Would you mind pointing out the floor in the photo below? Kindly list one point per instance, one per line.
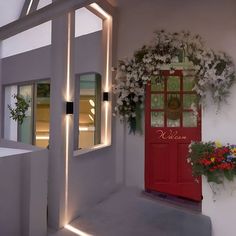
(131, 213)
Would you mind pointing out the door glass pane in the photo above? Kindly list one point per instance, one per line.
(89, 110)
(26, 128)
(188, 100)
(173, 110)
(157, 119)
(173, 83)
(188, 83)
(189, 119)
(157, 101)
(173, 123)
(42, 114)
(156, 85)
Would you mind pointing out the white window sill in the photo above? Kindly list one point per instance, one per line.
(88, 150)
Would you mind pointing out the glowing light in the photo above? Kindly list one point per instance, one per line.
(91, 102)
(106, 122)
(42, 137)
(93, 111)
(86, 128)
(68, 58)
(108, 55)
(66, 167)
(91, 118)
(67, 116)
(29, 7)
(83, 129)
(76, 231)
(100, 10)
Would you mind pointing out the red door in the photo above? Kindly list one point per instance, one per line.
(170, 126)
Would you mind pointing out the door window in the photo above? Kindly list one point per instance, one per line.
(172, 102)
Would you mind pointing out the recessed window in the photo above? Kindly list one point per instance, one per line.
(34, 129)
(88, 110)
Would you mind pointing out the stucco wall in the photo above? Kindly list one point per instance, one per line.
(23, 185)
(36, 64)
(215, 21)
(91, 176)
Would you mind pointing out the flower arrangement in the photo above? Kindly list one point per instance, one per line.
(210, 70)
(213, 160)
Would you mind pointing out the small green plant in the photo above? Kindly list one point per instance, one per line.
(18, 113)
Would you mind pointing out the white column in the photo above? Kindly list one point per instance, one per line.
(61, 125)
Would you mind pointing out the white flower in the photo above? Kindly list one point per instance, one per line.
(208, 69)
(123, 68)
(119, 102)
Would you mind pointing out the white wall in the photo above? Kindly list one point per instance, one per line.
(23, 186)
(215, 21)
(220, 207)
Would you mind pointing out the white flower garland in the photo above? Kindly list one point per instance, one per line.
(212, 71)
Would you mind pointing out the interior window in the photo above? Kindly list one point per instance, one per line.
(34, 129)
(42, 113)
(88, 110)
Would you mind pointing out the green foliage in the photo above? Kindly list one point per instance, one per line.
(21, 106)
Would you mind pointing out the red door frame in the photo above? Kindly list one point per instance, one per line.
(150, 136)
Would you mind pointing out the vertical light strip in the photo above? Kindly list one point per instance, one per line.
(29, 7)
(68, 74)
(107, 104)
(108, 54)
(108, 20)
(68, 59)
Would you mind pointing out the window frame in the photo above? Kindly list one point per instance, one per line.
(32, 83)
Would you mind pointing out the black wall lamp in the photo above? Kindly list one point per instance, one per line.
(69, 108)
(105, 96)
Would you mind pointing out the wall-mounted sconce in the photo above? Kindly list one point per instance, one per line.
(105, 96)
(69, 108)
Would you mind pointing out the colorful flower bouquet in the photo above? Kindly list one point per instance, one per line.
(213, 160)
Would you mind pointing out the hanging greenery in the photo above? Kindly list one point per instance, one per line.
(18, 113)
(212, 71)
